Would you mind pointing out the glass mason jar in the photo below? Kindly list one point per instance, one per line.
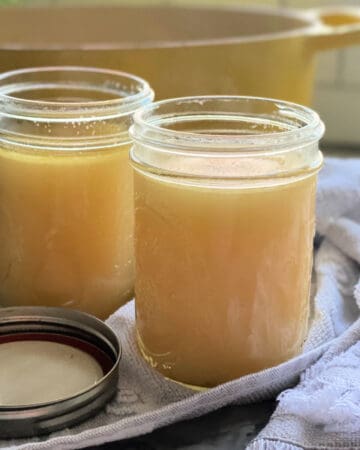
(224, 223)
(66, 214)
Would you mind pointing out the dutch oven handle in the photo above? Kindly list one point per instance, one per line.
(335, 27)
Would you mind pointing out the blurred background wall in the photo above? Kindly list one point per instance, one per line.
(337, 93)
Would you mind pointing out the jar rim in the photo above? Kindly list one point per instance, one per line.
(125, 103)
(148, 129)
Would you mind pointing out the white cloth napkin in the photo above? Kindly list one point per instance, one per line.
(323, 411)
(146, 401)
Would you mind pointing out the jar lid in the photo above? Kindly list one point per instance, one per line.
(58, 368)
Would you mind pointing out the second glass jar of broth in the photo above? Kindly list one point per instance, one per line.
(66, 214)
(224, 225)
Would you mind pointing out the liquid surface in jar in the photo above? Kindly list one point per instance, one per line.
(66, 227)
(39, 371)
(223, 276)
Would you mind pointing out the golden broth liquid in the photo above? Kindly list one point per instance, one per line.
(223, 276)
(66, 226)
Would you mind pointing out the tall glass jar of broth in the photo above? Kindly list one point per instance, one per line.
(66, 214)
(224, 226)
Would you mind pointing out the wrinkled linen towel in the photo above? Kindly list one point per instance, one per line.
(323, 411)
(146, 401)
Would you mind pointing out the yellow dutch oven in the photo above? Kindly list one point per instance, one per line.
(183, 51)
